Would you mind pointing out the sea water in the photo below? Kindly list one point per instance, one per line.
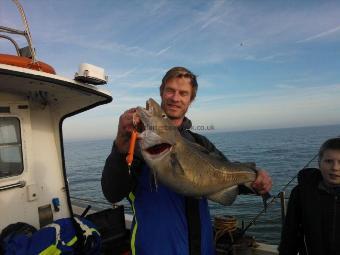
(282, 152)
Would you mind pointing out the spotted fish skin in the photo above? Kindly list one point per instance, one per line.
(186, 167)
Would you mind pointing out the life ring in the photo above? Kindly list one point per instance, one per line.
(26, 63)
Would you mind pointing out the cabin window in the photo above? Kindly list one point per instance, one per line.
(10, 147)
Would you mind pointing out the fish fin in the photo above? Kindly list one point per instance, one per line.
(251, 165)
(225, 196)
(197, 147)
(246, 188)
(216, 160)
(176, 165)
(201, 149)
(153, 181)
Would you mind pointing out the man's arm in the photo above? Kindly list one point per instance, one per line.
(116, 181)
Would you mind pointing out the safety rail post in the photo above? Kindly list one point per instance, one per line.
(283, 206)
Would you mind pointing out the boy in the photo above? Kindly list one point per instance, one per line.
(312, 224)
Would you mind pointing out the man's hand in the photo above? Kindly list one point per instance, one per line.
(125, 127)
(263, 182)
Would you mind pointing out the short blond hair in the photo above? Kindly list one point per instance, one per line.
(330, 144)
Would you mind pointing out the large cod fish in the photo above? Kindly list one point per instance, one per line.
(186, 167)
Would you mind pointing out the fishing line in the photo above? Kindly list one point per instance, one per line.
(252, 222)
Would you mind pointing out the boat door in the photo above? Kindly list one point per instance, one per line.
(32, 185)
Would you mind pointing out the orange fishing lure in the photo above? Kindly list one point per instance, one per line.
(133, 139)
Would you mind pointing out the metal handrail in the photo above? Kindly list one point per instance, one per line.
(26, 33)
(19, 184)
(10, 30)
(12, 41)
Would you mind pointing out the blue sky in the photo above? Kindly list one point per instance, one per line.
(261, 64)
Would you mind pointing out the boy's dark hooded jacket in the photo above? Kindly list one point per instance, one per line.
(312, 224)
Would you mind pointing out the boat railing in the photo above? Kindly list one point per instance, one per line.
(283, 203)
(27, 51)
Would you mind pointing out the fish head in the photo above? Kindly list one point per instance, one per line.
(158, 135)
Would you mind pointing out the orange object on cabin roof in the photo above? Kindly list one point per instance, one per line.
(26, 63)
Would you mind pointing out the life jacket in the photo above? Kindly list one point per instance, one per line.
(64, 236)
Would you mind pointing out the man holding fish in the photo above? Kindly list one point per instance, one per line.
(174, 174)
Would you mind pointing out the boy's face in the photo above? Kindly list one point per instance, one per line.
(330, 167)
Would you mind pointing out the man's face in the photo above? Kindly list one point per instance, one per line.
(176, 98)
(330, 167)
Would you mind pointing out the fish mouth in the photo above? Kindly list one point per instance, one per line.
(153, 146)
(158, 149)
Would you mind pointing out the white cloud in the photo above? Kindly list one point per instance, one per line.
(162, 51)
(321, 35)
(285, 86)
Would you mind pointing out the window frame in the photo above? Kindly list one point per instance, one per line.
(20, 143)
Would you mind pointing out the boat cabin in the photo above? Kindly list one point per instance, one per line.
(34, 101)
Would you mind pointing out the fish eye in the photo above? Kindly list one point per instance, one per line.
(164, 116)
